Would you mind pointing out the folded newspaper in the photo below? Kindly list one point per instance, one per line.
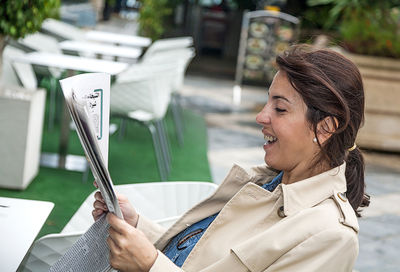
(87, 97)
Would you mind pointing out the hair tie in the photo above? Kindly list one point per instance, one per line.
(352, 148)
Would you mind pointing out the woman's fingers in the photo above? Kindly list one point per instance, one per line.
(100, 205)
(96, 214)
(95, 184)
(116, 223)
(99, 197)
(130, 250)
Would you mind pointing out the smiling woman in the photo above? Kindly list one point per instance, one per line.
(283, 117)
(298, 212)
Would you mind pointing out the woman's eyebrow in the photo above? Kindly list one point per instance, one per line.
(276, 97)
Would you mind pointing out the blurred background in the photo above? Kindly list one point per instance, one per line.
(225, 52)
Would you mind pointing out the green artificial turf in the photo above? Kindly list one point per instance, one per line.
(131, 160)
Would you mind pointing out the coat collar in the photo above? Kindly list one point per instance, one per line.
(311, 191)
(296, 196)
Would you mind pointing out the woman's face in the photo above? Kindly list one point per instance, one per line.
(289, 138)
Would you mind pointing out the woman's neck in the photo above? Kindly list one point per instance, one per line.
(298, 174)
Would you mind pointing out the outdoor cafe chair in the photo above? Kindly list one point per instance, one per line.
(183, 57)
(18, 74)
(162, 202)
(142, 93)
(44, 43)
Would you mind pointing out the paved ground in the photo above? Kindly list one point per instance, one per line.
(234, 137)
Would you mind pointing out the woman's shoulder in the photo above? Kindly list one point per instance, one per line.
(334, 214)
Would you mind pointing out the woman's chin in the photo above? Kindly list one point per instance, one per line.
(270, 162)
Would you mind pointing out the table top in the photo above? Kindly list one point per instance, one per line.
(72, 62)
(103, 49)
(131, 40)
(21, 221)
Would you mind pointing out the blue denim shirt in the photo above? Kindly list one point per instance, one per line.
(182, 244)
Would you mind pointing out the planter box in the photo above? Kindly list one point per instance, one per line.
(21, 124)
(381, 78)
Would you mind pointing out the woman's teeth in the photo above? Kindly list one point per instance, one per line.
(270, 139)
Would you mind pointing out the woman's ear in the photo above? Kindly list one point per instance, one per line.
(326, 128)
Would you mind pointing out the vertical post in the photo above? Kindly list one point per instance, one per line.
(237, 89)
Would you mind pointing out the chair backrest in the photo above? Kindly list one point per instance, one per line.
(20, 74)
(182, 56)
(167, 45)
(43, 43)
(145, 87)
(47, 250)
(162, 202)
(61, 30)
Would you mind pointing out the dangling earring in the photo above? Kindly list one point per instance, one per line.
(314, 140)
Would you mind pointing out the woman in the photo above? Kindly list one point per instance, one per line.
(299, 213)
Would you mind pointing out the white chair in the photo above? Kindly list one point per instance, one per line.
(44, 43)
(183, 57)
(167, 45)
(47, 250)
(19, 74)
(162, 202)
(62, 30)
(142, 93)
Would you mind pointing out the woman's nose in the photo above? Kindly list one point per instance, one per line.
(263, 117)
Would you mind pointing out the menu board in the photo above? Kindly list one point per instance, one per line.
(265, 34)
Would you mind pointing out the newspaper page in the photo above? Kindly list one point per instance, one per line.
(93, 89)
(89, 253)
(87, 98)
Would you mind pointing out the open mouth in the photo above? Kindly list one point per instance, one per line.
(270, 139)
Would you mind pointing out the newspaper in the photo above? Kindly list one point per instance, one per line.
(90, 252)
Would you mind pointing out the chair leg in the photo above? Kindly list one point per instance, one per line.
(52, 104)
(167, 141)
(122, 129)
(177, 119)
(178, 98)
(164, 143)
(157, 149)
(85, 174)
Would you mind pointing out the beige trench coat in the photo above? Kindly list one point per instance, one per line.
(305, 226)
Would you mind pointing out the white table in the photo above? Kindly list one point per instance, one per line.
(72, 64)
(101, 49)
(20, 223)
(120, 39)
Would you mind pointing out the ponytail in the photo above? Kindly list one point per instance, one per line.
(355, 180)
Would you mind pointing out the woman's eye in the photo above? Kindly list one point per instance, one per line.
(280, 110)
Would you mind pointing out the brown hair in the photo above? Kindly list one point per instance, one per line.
(331, 86)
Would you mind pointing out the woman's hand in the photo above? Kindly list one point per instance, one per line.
(130, 250)
(100, 207)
